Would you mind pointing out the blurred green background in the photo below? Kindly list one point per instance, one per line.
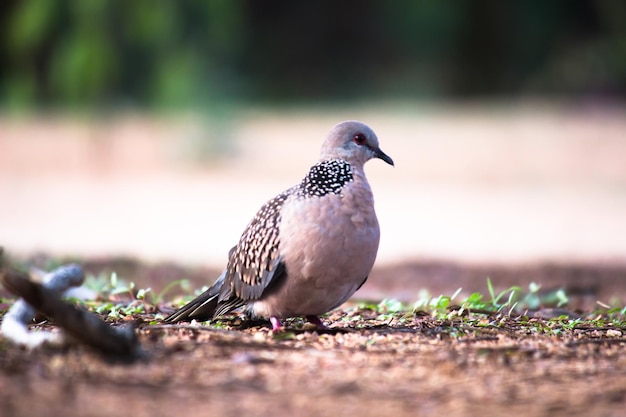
(100, 54)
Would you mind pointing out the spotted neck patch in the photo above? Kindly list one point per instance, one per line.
(326, 177)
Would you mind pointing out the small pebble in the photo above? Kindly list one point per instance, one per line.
(613, 333)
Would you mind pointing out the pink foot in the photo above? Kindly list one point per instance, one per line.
(316, 321)
(276, 324)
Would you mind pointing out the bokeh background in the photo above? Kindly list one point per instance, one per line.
(157, 129)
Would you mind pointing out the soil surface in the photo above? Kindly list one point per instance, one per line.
(365, 364)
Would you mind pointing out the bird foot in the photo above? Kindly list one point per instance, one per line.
(316, 321)
(276, 324)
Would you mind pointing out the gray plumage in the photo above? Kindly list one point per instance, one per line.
(308, 249)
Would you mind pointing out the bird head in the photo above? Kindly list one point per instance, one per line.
(354, 142)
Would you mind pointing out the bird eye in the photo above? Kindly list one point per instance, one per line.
(359, 139)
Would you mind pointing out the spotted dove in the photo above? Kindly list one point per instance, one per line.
(308, 249)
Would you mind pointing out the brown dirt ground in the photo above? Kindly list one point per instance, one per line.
(367, 367)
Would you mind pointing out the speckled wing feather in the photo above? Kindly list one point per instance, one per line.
(255, 262)
(252, 266)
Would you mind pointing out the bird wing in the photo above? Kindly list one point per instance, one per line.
(255, 262)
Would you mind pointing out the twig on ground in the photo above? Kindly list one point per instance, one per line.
(81, 325)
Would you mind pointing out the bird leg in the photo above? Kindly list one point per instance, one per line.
(276, 324)
(316, 321)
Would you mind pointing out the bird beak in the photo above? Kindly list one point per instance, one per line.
(381, 155)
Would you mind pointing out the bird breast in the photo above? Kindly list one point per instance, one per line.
(328, 245)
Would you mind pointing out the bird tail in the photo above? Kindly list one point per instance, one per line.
(202, 307)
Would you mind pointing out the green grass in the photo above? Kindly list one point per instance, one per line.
(514, 306)
(119, 299)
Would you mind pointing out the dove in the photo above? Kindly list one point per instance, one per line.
(310, 248)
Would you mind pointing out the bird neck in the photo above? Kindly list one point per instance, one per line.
(326, 177)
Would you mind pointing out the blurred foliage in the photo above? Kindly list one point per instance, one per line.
(167, 54)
